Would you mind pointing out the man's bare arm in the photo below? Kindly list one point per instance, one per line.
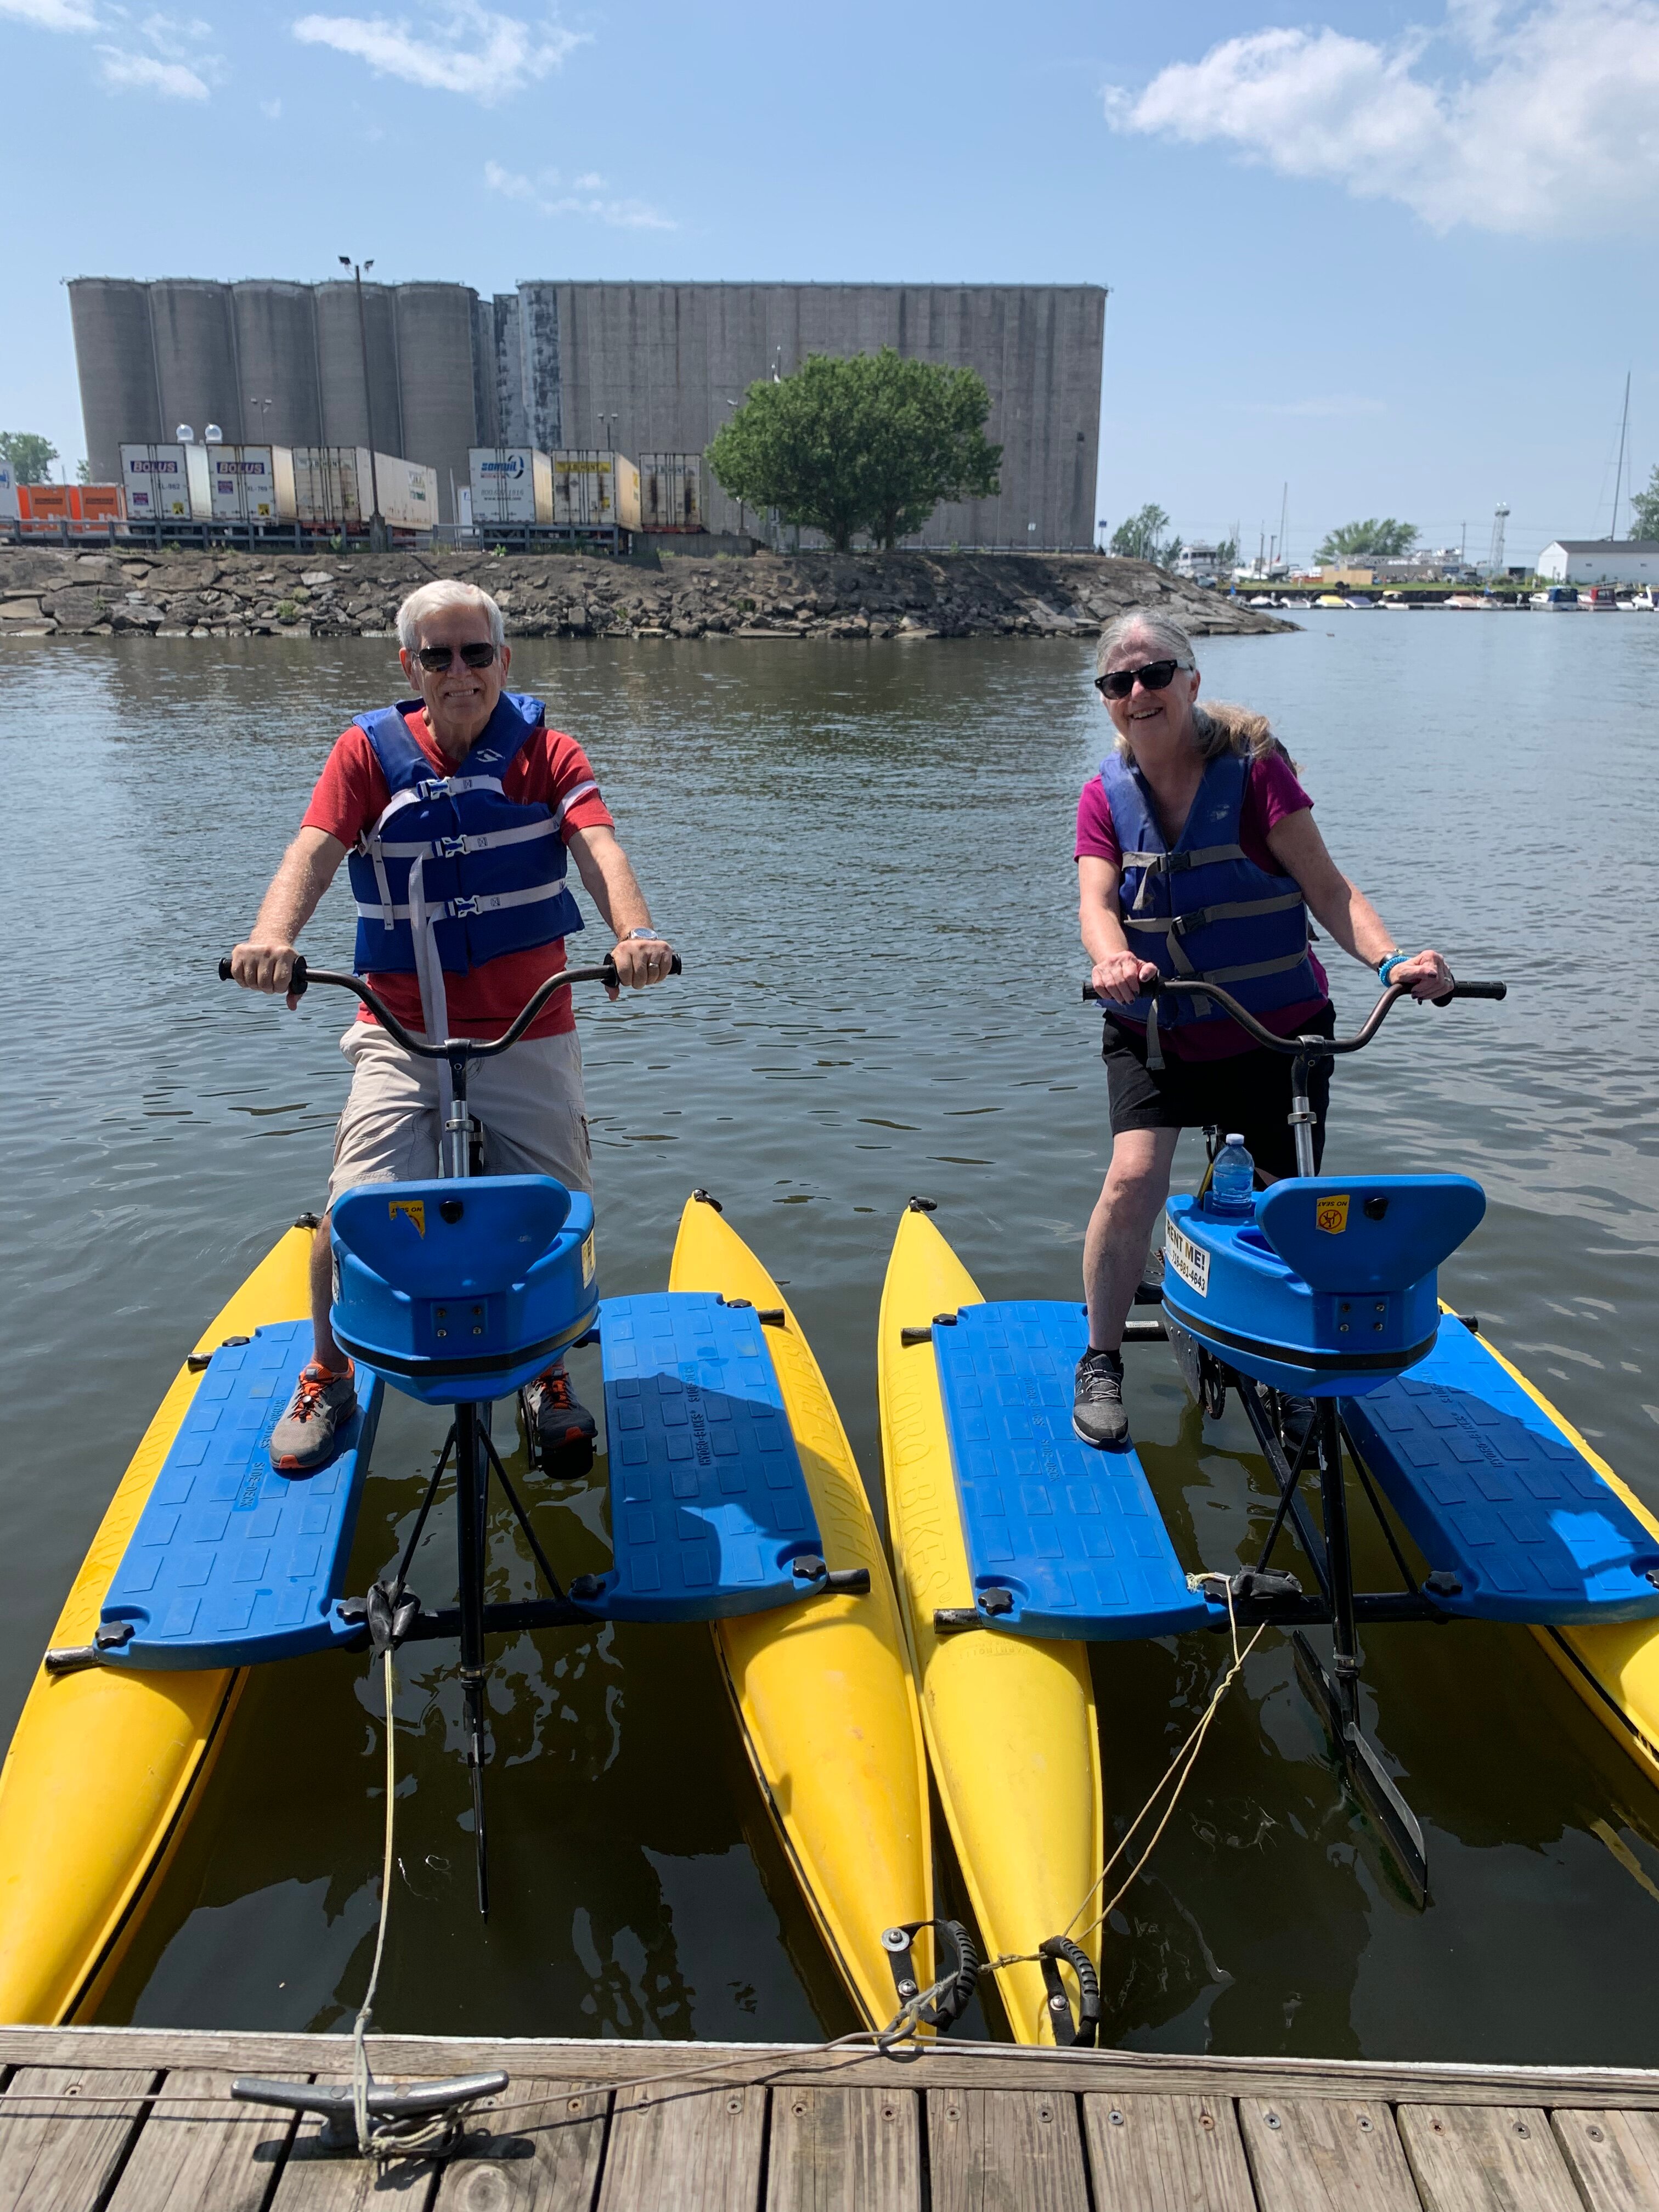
(264, 962)
(614, 888)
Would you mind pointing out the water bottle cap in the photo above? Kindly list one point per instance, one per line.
(1234, 1140)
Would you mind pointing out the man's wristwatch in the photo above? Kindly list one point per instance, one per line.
(656, 935)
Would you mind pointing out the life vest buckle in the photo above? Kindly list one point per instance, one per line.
(460, 910)
(430, 787)
(448, 849)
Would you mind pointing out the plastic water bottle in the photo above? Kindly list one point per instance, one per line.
(1232, 1181)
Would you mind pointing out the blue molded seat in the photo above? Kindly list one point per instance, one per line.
(1074, 1534)
(462, 1290)
(709, 1507)
(1495, 1496)
(230, 1562)
(1330, 1289)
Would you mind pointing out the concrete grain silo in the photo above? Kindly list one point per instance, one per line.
(276, 348)
(340, 367)
(437, 381)
(196, 356)
(118, 399)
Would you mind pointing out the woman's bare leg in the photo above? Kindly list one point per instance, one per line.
(1120, 1227)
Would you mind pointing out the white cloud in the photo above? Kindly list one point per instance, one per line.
(124, 72)
(51, 14)
(462, 47)
(1544, 121)
(584, 197)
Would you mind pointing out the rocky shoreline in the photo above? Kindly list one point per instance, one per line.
(58, 592)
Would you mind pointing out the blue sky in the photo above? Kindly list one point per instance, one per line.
(1400, 258)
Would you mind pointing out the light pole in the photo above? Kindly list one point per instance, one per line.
(376, 525)
(1101, 526)
(602, 418)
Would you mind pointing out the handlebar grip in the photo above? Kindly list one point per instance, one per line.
(675, 968)
(1473, 991)
(296, 981)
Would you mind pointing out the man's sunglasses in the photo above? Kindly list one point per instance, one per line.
(1156, 676)
(434, 659)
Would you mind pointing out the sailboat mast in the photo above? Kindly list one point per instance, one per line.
(1624, 426)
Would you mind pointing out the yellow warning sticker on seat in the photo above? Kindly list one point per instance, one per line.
(415, 1210)
(1331, 1214)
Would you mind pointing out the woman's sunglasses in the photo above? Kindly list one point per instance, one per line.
(1156, 676)
(434, 659)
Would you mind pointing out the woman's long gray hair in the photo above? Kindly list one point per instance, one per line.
(1220, 727)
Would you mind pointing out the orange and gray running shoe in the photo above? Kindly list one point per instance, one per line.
(308, 1434)
(559, 1431)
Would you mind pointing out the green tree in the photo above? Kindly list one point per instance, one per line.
(30, 454)
(874, 442)
(1141, 538)
(83, 471)
(1644, 510)
(1384, 540)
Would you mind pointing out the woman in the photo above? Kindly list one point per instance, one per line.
(1197, 854)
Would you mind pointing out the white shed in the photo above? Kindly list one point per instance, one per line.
(1601, 561)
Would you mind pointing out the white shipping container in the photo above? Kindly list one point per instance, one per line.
(156, 483)
(333, 487)
(510, 483)
(251, 483)
(8, 492)
(595, 491)
(671, 491)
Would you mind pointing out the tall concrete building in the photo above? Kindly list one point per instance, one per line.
(644, 368)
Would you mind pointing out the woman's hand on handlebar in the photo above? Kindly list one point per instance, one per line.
(265, 967)
(1425, 976)
(1120, 977)
(639, 960)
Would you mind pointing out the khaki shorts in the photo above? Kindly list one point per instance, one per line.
(529, 1101)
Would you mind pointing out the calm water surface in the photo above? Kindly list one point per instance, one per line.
(865, 853)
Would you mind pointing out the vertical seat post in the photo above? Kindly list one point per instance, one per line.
(456, 1149)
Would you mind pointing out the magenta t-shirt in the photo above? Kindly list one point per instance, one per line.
(1271, 792)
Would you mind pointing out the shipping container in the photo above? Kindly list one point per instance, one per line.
(81, 506)
(46, 503)
(671, 491)
(102, 503)
(595, 491)
(334, 487)
(252, 483)
(8, 508)
(157, 482)
(510, 483)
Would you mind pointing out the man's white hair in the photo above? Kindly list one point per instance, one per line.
(447, 592)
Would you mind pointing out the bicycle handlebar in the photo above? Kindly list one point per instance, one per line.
(476, 1048)
(1315, 1047)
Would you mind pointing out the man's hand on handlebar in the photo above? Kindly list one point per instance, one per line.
(264, 968)
(639, 960)
(1120, 977)
(1425, 976)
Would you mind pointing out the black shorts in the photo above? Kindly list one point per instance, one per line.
(1249, 1094)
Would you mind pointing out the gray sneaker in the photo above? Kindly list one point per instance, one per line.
(1098, 1414)
(308, 1434)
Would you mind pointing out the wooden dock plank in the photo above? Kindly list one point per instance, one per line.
(679, 2149)
(58, 2155)
(220, 2153)
(314, 2179)
(542, 2154)
(991, 2149)
(941, 2065)
(1614, 2157)
(1326, 2154)
(1166, 2155)
(844, 2150)
(1499, 2158)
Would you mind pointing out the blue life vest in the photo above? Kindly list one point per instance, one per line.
(1203, 910)
(453, 866)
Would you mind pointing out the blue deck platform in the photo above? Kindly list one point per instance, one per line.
(1493, 1494)
(1074, 1534)
(709, 1505)
(230, 1562)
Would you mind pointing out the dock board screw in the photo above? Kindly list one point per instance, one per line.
(1594, 2133)
(1522, 2129)
(1116, 2118)
(1364, 2125)
(1206, 2119)
(1273, 2119)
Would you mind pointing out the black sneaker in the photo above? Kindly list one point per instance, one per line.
(558, 1428)
(1098, 1414)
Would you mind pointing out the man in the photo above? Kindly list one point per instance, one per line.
(457, 809)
